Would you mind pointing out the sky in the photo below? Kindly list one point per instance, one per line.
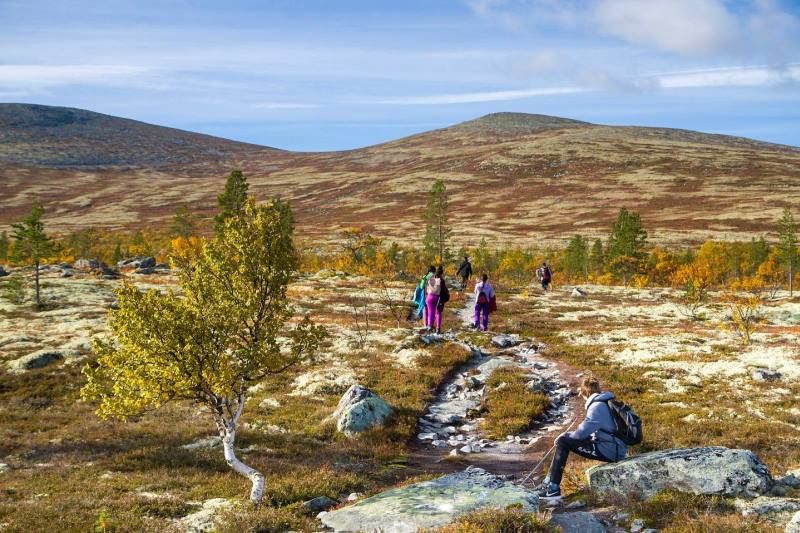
(339, 74)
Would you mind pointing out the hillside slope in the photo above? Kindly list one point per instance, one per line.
(66, 137)
(511, 177)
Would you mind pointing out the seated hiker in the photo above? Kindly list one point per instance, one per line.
(596, 438)
(484, 293)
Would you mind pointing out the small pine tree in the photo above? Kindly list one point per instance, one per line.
(759, 252)
(596, 258)
(232, 200)
(626, 244)
(437, 229)
(4, 246)
(787, 244)
(183, 223)
(32, 243)
(576, 258)
(116, 257)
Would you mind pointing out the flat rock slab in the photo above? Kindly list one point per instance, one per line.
(578, 522)
(430, 504)
(794, 524)
(33, 360)
(708, 470)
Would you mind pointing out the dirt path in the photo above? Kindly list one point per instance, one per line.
(449, 436)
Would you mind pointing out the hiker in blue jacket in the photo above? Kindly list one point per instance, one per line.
(419, 295)
(594, 438)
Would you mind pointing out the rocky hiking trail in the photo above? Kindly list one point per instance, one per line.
(479, 471)
(449, 433)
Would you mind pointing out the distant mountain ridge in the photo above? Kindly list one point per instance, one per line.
(33, 134)
(512, 178)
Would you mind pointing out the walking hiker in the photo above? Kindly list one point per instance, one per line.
(419, 295)
(434, 288)
(484, 294)
(465, 272)
(544, 275)
(598, 437)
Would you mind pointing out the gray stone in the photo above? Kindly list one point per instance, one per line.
(578, 293)
(3, 272)
(794, 524)
(709, 470)
(137, 262)
(430, 504)
(319, 504)
(791, 479)
(354, 496)
(764, 374)
(767, 506)
(637, 526)
(427, 436)
(578, 522)
(203, 520)
(145, 270)
(88, 264)
(505, 341)
(33, 360)
(359, 410)
(206, 443)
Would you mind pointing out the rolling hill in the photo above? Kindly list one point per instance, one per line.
(511, 177)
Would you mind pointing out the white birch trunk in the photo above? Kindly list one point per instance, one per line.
(228, 433)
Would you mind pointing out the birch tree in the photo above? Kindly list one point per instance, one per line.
(209, 343)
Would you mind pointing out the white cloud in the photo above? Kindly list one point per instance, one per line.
(743, 76)
(37, 77)
(688, 27)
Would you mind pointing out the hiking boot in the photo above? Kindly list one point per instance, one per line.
(549, 492)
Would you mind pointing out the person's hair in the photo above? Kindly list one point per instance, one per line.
(590, 385)
(439, 272)
(484, 277)
(544, 263)
(431, 268)
(466, 257)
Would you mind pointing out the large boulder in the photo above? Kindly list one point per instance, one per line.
(137, 262)
(88, 264)
(359, 410)
(37, 359)
(430, 504)
(709, 470)
(3, 272)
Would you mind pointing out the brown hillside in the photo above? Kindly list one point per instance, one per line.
(512, 177)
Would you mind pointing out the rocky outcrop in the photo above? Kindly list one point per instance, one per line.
(430, 504)
(88, 265)
(319, 504)
(578, 522)
(359, 410)
(766, 506)
(137, 262)
(505, 341)
(203, 520)
(33, 360)
(709, 470)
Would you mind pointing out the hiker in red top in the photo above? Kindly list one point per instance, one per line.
(484, 294)
(544, 275)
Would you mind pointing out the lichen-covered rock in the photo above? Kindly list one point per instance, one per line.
(794, 524)
(708, 470)
(764, 505)
(203, 520)
(578, 522)
(359, 410)
(430, 504)
(505, 341)
(33, 360)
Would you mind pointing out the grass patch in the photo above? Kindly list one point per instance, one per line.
(510, 405)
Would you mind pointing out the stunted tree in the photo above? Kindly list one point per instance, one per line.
(31, 243)
(4, 246)
(596, 257)
(183, 223)
(209, 343)
(356, 242)
(576, 257)
(232, 200)
(437, 229)
(787, 244)
(625, 251)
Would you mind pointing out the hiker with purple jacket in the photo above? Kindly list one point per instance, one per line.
(484, 293)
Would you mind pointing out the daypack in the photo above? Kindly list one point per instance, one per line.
(444, 294)
(627, 422)
(546, 274)
(482, 298)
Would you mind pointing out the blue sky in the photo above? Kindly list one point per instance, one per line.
(336, 74)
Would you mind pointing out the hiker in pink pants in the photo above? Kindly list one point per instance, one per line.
(433, 290)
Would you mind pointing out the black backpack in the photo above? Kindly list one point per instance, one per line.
(444, 294)
(628, 423)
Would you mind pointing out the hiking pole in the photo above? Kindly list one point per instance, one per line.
(553, 447)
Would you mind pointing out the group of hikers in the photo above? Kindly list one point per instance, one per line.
(609, 425)
(431, 295)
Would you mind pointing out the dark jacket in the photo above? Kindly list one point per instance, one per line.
(465, 269)
(599, 426)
